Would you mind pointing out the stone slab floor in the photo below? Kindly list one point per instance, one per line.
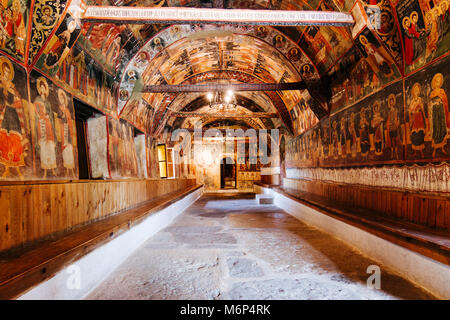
(227, 246)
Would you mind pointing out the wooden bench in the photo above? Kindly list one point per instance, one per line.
(21, 270)
(432, 243)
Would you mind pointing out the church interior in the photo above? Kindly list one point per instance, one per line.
(224, 149)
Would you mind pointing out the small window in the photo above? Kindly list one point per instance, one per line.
(162, 161)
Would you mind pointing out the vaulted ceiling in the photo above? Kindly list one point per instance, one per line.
(132, 56)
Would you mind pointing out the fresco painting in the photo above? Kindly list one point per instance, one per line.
(122, 150)
(46, 14)
(388, 31)
(16, 154)
(371, 131)
(59, 46)
(13, 27)
(53, 129)
(428, 129)
(98, 146)
(152, 158)
(83, 77)
(268, 64)
(424, 26)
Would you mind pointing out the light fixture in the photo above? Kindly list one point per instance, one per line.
(222, 102)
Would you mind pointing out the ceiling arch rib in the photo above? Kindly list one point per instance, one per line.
(249, 106)
(279, 104)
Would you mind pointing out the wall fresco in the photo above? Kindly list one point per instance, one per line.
(428, 118)
(371, 131)
(46, 14)
(14, 27)
(424, 26)
(53, 130)
(122, 150)
(16, 154)
(98, 141)
(82, 76)
(59, 46)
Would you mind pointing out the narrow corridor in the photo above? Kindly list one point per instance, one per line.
(227, 246)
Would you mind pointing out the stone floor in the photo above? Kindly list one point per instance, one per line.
(227, 246)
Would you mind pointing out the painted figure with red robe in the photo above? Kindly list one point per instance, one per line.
(417, 120)
(410, 35)
(13, 141)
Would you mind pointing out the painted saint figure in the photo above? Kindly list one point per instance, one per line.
(417, 120)
(60, 46)
(45, 128)
(67, 134)
(410, 36)
(393, 124)
(377, 124)
(438, 110)
(364, 140)
(12, 133)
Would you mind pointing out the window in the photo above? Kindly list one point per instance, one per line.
(162, 161)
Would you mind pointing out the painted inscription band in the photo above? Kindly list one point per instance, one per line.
(216, 16)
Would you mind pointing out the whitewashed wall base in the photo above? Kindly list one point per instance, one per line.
(423, 271)
(96, 266)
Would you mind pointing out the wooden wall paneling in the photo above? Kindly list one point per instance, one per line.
(30, 211)
(5, 218)
(430, 210)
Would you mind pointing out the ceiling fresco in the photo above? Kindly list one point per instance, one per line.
(107, 65)
(181, 51)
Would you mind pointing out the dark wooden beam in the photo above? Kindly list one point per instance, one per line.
(169, 15)
(214, 87)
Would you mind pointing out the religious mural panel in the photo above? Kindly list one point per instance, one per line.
(428, 118)
(122, 150)
(16, 154)
(152, 158)
(424, 26)
(53, 130)
(59, 46)
(14, 27)
(97, 137)
(82, 76)
(371, 131)
(45, 17)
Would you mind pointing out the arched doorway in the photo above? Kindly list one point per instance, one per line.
(227, 174)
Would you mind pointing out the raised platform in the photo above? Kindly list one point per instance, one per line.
(22, 270)
(425, 257)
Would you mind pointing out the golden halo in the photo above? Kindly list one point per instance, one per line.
(404, 21)
(42, 81)
(437, 81)
(4, 61)
(62, 93)
(279, 38)
(392, 98)
(49, 8)
(416, 86)
(363, 39)
(414, 13)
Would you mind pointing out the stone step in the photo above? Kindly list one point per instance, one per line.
(264, 199)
